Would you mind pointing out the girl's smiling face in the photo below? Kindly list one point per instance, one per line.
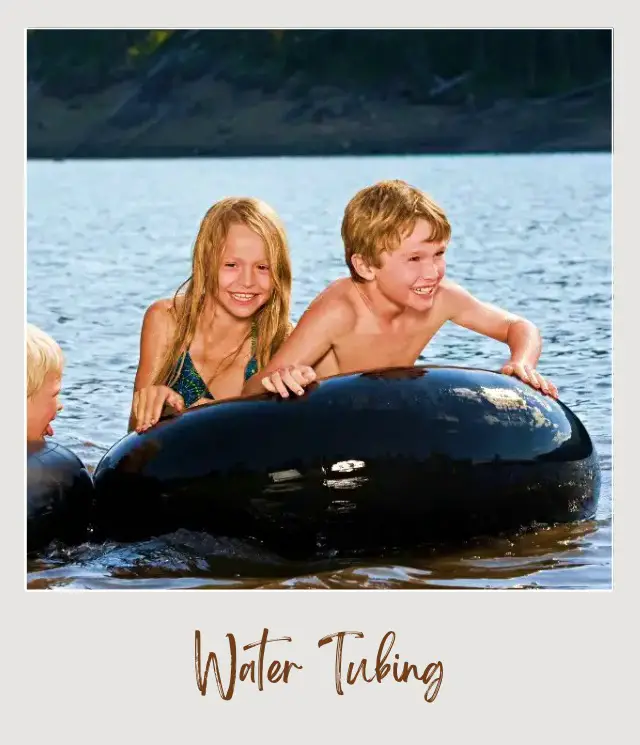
(244, 277)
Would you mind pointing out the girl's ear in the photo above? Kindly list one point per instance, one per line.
(363, 269)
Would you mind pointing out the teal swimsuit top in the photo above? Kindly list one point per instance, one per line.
(192, 387)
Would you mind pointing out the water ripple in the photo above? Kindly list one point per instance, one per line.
(530, 233)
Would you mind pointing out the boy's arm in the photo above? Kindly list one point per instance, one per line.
(307, 344)
(522, 337)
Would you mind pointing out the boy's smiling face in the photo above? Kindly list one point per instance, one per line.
(410, 275)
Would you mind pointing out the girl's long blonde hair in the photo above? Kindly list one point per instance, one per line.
(271, 321)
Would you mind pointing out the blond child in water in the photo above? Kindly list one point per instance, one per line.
(396, 299)
(232, 316)
(45, 364)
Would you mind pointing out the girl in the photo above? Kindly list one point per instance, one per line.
(229, 321)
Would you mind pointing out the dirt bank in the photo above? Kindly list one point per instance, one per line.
(206, 117)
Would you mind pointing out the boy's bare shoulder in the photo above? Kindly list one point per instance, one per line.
(452, 296)
(335, 305)
(450, 288)
(337, 290)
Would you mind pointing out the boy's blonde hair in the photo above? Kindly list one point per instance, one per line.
(380, 216)
(43, 357)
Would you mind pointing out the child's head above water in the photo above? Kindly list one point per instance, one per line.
(250, 232)
(45, 364)
(379, 217)
(241, 262)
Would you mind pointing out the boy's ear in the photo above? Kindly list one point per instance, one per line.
(362, 268)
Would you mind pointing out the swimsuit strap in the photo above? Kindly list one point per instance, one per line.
(252, 365)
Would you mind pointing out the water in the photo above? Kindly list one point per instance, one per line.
(530, 233)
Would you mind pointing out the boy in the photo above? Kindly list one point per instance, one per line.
(397, 298)
(44, 378)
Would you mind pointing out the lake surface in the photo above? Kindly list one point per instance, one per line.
(530, 233)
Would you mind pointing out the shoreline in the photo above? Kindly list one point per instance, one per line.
(186, 155)
(219, 120)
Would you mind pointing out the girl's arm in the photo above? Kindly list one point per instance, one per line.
(155, 338)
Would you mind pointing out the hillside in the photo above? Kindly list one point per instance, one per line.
(228, 93)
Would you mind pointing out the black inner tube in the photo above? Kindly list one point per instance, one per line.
(59, 496)
(393, 457)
